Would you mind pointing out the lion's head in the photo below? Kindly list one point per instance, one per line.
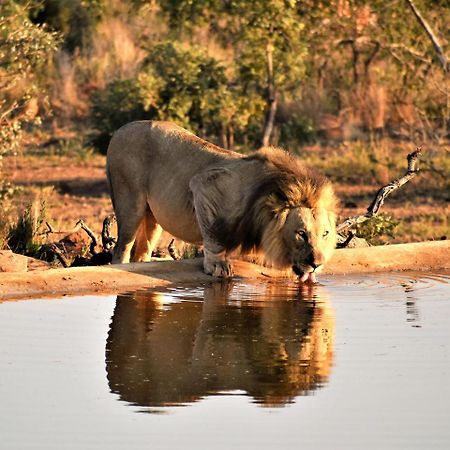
(294, 212)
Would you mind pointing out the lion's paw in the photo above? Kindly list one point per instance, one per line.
(219, 269)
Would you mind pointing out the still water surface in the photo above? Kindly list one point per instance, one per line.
(356, 362)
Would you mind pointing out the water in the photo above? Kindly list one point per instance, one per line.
(357, 362)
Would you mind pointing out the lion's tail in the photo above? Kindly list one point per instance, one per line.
(111, 192)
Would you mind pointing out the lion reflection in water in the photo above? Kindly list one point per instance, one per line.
(162, 351)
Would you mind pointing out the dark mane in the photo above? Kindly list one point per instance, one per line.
(282, 178)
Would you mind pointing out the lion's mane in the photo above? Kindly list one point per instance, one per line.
(284, 184)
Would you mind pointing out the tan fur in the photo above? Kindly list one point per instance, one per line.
(163, 176)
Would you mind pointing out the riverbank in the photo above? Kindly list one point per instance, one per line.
(423, 256)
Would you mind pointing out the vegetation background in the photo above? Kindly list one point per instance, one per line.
(351, 86)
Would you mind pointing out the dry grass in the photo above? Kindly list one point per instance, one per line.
(114, 53)
(75, 187)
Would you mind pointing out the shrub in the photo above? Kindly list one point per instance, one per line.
(382, 224)
(122, 101)
(24, 236)
(178, 84)
(25, 48)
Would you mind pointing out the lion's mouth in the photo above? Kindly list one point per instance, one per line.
(304, 276)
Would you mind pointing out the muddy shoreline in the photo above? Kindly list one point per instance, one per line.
(423, 256)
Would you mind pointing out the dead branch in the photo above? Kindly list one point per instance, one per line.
(59, 254)
(91, 234)
(433, 38)
(346, 240)
(108, 241)
(80, 225)
(380, 197)
(173, 252)
(394, 185)
(51, 230)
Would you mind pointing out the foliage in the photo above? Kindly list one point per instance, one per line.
(175, 83)
(373, 59)
(74, 19)
(24, 50)
(368, 64)
(267, 42)
(24, 236)
(120, 102)
(382, 224)
(182, 84)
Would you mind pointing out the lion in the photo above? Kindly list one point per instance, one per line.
(164, 177)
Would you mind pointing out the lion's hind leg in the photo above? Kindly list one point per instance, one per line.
(147, 237)
(130, 211)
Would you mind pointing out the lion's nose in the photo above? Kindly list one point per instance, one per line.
(314, 261)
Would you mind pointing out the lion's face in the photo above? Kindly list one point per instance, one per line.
(302, 238)
(309, 237)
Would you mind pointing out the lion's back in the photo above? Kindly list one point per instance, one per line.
(158, 160)
(163, 144)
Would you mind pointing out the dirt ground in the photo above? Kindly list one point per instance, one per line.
(121, 277)
(74, 188)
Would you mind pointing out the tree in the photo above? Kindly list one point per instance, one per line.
(373, 60)
(267, 40)
(24, 50)
(175, 82)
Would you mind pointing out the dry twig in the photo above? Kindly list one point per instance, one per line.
(173, 252)
(80, 225)
(108, 241)
(433, 38)
(59, 254)
(380, 197)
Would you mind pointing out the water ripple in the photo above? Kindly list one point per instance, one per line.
(383, 284)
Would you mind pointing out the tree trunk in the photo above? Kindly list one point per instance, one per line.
(223, 136)
(433, 38)
(230, 137)
(272, 99)
(270, 120)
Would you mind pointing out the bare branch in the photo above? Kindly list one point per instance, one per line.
(381, 195)
(433, 38)
(108, 242)
(91, 234)
(51, 230)
(173, 252)
(80, 225)
(59, 254)
(413, 52)
(394, 185)
(346, 240)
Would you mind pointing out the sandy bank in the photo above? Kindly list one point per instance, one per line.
(126, 277)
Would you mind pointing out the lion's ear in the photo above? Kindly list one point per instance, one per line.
(277, 202)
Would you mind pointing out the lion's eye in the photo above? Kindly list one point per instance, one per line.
(325, 234)
(301, 234)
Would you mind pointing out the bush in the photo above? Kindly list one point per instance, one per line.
(122, 101)
(24, 236)
(25, 49)
(177, 84)
(382, 224)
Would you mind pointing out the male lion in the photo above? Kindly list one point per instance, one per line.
(164, 177)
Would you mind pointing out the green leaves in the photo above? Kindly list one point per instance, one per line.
(24, 50)
(175, 83)
(382, 224)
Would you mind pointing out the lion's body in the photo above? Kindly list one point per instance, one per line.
(162, 176)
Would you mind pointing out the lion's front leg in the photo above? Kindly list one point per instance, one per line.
(216, 264)
(211, 200)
